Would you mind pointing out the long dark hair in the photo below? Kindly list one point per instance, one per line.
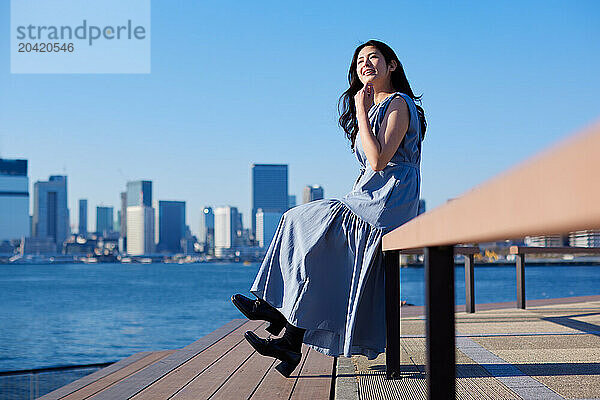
(346, 105)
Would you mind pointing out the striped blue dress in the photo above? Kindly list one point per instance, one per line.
(324, 269)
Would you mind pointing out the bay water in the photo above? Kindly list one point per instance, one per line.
(71, 314)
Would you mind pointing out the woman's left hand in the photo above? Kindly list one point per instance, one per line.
(364, 99)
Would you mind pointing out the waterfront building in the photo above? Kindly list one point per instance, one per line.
(140, 230)
(50, 212)
(544, 241)
(104, 220)
(311, 193)
(170, 225)
(82, 223)
(269, 189)
(38, 246)
(226, 227)
(14, 199)
(589, 238)
(207, 230)
(188, 242)
(266, 226)
(123, 227)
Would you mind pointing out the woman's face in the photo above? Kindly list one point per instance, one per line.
(371, 66)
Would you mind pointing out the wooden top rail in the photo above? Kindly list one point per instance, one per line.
(463, 250)
(553, 250)
(554, 192)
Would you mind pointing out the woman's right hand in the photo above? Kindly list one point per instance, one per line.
(364, 99)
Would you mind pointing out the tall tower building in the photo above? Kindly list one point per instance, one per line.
(139, 193)
(171, 225)
(83, 224)
(269, 189)
(50, 212)
(140, 230)
(311, 193)
(14, 199)
(140, 223)
(104, 220)
(226, 224)
(207, 230)
(266, 226)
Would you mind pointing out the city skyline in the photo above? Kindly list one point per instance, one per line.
(493, 78)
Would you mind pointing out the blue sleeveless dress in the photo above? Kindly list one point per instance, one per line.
(324, 269)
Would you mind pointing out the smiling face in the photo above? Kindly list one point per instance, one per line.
(371, 66)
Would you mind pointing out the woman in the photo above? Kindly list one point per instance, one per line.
(322, 276)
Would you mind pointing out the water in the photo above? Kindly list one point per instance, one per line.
(80, 314)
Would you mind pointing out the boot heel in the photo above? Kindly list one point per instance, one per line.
(286, 368)
(275, 328)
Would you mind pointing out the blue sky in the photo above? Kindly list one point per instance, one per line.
(236, 83)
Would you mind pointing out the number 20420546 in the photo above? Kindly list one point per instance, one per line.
(45, 47)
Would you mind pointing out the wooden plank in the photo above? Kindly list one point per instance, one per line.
(136, 383)
(204, 384)
(117, 376)
(275, 385)
(86, 380)
(315, 379)
(245, 380)
(550, 193)
(171, 383)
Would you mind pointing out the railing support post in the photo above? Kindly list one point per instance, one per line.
(520, 280)
(439, 305)
(391, 259)
(469, 283)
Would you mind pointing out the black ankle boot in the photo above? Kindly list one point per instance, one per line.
(294, 336)
(260, 310)
(287, 348)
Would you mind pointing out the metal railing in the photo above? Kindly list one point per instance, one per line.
(554, 192)
(33, 383)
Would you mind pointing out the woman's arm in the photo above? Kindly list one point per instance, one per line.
(380, 150)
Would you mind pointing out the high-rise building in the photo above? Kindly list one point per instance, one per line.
(311, 193)
(50, 212)
(104, 220)
(139, 193)
(140, 230)
(226, 224)
(291, 201)
(171, 226)
(269, 189)
(123, 230)
(14, 199)
(83, 224)
(266, 226)
(207, 230)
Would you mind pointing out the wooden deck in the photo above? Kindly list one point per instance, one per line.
(221, 365)
(549, 351)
